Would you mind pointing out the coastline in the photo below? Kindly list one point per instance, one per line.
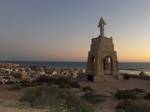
(133, 68)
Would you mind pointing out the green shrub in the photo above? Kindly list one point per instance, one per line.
(66, 83)
(147, 96)
(130, 94)
(126, 94)
(25, 84)
(43, 78)
(40, 95)
(74, 103)
(137, 90)
(126, 77)
(87, 89)
(15, 87)
(93, 98)
(63, 82)
(123, 104)
(56, 99)
(133, 106)
(75, 84)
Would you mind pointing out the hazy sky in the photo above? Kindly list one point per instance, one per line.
(61, 30)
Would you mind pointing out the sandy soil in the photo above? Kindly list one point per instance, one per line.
(113, 85)
(6, 94)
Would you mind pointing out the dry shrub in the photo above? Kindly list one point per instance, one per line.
(133, 106)
(56, 99)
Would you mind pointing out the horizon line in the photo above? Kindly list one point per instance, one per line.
(66, 61)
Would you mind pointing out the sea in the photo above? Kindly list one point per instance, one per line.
(125, 67)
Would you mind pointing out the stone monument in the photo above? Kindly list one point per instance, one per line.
(102, 58)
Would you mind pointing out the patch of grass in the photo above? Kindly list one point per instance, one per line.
(137, 90)
(93, 98)
(65, 83)
(133, 106)
(125, 94)
(75, 103)
(57, 99)
(15, 87)
(75, 84)
(128, 94)
(87, 89)
(26, 84)
(61, 82)
(147, 96)
(39, 96)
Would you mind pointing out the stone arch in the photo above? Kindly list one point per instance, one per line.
(108, 65)
(92, 61)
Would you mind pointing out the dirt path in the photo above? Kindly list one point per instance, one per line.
(6, 94)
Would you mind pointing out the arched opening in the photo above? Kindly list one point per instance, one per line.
(93, 63)
(108, 65)
(90, 76)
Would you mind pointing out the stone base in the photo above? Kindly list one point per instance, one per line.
(119, 77)
(100, 79)
(108, 78)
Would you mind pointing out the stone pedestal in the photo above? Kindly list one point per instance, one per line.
(102, 58)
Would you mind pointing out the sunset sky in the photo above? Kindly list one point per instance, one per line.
(61, 30)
